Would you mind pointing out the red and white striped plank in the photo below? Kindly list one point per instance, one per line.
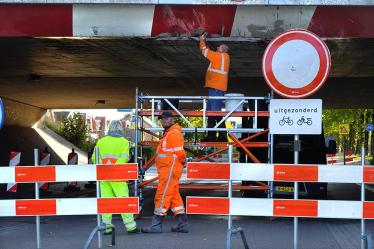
(73, 206)
(45, 159)
(73, 160)
(280, 172)
(15, 160)
(280, 207)
(56, 20)
(63, 173)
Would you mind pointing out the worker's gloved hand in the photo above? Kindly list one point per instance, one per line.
(203, 36)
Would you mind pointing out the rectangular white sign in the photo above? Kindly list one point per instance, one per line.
(295, 116)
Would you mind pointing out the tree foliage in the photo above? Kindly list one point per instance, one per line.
(357, 120)
(192, 136)
(75, 130)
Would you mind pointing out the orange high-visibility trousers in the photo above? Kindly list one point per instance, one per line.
(169, 163)
(167, 196)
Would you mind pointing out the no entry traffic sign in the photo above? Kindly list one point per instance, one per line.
(1, 113)
(296, 63)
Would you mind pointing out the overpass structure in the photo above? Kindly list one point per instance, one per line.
(82, 53)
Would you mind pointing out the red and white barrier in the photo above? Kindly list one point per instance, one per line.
(14, 161)
(280, 172)
(338, 158)
(45, 159)
(73, 160)
(76, 206)
(64, 173)
(280, 207)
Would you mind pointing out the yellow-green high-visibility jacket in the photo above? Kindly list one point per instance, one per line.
(113, 149)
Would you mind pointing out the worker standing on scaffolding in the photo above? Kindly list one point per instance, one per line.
(216, 79)
(114, 149)
(169, 162)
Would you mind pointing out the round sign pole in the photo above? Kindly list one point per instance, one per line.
(2, 113)
(296, 63)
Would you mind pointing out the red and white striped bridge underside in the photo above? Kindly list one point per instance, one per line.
(151, 20)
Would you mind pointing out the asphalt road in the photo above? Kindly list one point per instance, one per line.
(70, 232)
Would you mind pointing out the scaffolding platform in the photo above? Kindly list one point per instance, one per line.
(148, 110)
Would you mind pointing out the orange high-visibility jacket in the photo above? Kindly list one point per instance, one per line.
(216, 76)
(172, 143)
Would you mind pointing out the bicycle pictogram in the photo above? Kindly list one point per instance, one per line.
(286, 120)
(302, 121)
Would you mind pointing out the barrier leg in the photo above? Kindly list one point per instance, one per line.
(364, 244)
(97, 230)
(228, 239)
(230, 230)
(229, 219)
(242, 235)
(296, 192)
(37, 218)
(369, 242)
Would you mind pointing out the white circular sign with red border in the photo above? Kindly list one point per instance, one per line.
(296, 63)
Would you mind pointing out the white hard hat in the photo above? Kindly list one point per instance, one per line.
(115, 126)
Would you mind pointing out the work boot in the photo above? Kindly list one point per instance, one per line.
(108, 231)
(156, 226)
(182, 226)
(135, 231)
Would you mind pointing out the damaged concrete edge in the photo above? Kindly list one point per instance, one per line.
(206, 2)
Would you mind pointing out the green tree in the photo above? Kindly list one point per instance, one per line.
(75, 130)
(357, 120)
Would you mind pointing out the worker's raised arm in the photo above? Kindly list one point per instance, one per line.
(207, 53)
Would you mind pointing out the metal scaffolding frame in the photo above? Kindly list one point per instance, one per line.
(149, 106)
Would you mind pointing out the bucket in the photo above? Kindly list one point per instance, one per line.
(231, 103)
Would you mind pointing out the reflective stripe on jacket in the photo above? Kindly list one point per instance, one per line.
(112, 150)
(216, 76)
(172, 143)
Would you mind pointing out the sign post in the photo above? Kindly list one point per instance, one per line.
(369, 128)
(295, 65)
(295, 116)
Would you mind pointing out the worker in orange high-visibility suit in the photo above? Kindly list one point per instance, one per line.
(216, 79)
(169, 162)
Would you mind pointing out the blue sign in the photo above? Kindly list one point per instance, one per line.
(124, 110)
(1, 113)
(369, 127)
